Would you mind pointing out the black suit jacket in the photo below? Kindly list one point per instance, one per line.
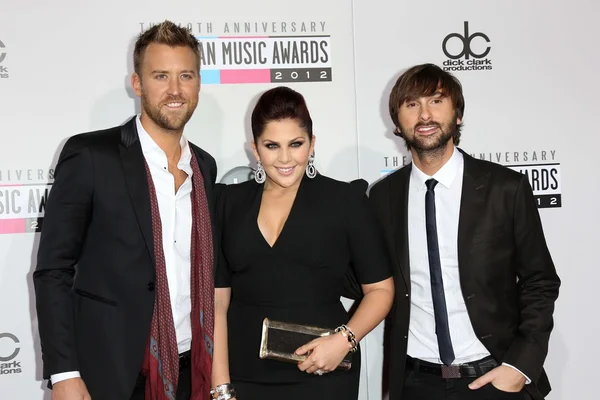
(500, 239)
(94, 280)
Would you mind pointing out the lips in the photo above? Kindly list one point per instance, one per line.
(173, 102)
(426, 129)
(285, 171)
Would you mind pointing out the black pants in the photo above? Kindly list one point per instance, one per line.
(420, 385)
(184, 387)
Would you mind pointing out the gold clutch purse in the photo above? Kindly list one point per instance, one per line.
(280, 340)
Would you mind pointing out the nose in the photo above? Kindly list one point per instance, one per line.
(174, 87)
(425, 114)
(284, 155)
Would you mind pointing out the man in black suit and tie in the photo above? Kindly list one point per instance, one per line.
(475, 283)
(124, 280)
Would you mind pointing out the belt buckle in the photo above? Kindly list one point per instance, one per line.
(450, 372)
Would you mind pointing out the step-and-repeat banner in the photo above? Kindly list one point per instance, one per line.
(528, 71)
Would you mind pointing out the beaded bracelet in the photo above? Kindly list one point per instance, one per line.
(348, 334)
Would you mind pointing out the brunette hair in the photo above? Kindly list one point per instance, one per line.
(278, 104)
(425, 80)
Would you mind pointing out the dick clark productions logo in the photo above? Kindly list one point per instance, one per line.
(2, 54)
(3, 70)
(466, 51)
(8, 364)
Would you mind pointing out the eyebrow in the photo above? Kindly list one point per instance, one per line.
(160, 71)
(291, 141)
(434, 94)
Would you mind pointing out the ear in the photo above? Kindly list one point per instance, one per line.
(458, 117)
(136, 84)
(255, 150)
(312, 145)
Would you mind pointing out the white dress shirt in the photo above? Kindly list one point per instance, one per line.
(176, 218)
(422, 340)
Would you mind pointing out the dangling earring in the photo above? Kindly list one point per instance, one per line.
(311, 171)
(259, 175)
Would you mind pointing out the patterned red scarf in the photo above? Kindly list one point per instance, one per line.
(161, 361)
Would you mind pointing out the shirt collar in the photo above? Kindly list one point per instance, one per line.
(149, 146)
(445, 175)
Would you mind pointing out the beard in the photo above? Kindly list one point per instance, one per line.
(430, 144)
(168, 121)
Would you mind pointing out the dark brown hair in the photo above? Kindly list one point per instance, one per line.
(424, 80)
(278, 104)
(164, 33)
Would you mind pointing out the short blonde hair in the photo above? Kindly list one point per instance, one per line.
(164, 33)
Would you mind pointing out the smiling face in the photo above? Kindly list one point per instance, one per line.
(283, 149)
(428, 123)
(168, 84)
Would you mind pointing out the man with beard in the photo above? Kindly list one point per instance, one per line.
(124, 279)
(475, 283)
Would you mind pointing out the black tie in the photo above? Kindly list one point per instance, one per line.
(442, 329)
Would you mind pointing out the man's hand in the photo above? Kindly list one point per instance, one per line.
(503, 378)
(70, 389)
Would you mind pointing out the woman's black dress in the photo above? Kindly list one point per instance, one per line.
(330, 231)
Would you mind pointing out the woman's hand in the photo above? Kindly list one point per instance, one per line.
(324, 353)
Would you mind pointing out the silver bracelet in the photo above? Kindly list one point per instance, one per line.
(225, 391)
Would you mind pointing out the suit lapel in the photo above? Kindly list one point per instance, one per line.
(134, 170)
(399, 216)
(472, 202)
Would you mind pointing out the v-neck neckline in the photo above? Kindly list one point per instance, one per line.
(287, 220)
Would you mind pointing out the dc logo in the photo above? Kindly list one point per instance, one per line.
(2, 55)
(466, 40)
(16, 348)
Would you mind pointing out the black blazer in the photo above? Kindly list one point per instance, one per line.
(94, 281)
(500, 239)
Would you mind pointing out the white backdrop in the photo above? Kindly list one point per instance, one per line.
(65, 67)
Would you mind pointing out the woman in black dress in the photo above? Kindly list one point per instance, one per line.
(289, 239)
